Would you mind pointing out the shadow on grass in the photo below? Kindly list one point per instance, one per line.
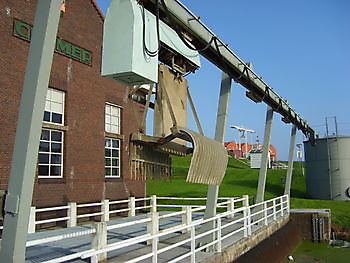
(272, 188)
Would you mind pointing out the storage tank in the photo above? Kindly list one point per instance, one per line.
(328, 168)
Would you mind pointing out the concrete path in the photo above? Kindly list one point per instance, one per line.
(51, 250)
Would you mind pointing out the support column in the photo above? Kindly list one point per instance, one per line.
(221, 121)
(25, 154)
(265, 155)
(290, 161)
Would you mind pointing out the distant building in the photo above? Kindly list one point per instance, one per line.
(239, 150)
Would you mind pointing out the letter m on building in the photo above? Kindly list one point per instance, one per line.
(63, 47)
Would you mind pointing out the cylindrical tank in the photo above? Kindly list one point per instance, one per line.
(328, 168)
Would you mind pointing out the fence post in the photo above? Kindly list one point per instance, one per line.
(265, 213)
(153, 204)
(249, 221)
(32, 219)
(281, 206)
(153, 226)
(193, 244)
(72, 214)
(99, 240)
(132, 206)
(288, 204)
(219, 248)
(245, 221)
(105, 211)
(231, 207)
(247, 227)
(274, 209)
(246, 200)
(186, 217)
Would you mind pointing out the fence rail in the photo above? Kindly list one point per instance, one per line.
(239, 215)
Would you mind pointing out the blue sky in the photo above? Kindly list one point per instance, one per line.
(300, 48)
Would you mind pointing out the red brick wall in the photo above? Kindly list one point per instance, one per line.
(86, 94)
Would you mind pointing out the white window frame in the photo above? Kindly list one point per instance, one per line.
(50, 101)
(111, 157)
(109, 108)
(50, 155)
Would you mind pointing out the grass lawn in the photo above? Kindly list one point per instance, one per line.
(308, 252)
(240, 180)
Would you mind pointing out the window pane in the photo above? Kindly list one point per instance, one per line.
(57, 107)
(114, 120)
(43, 158)
(57, 95)
(115, 172)
(46, 116)
(45, 135)
(108, 119)
(107, 127)
(115, 111)
(115, 162)
(56, 147)
(44, 147)
(57, 118)
(108, 109)
(43, 170)
(55, 170)
(114, 129)
(55, 159)
(115, 143)
(115, 153)
(108, 142)
(107, 162)
(108, 152)
(56, 136)
(108, 171)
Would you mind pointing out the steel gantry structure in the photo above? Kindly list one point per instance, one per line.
(197, 34)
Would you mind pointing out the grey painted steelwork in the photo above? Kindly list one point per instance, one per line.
(328, 168)
(21, 182)
(221, 122)
(290, 161)
(224, 58)
(209, 160)
(264, 159)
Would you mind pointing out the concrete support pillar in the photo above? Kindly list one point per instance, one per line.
(153, 204)
(290, 161)
(187, 218)
(105, 211)
(132, 206)
(231, 207)
(25, 154)
(221, 121)
(99, 240)
(153, 226)
(265, 155)
(72, 214)
(32, 219)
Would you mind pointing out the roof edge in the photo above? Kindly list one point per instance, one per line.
(97, 7)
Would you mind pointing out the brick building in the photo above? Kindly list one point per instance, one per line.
(83, 155)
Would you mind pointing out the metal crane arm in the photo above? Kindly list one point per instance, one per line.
(199, 35)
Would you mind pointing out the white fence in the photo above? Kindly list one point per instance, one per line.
(237, 213)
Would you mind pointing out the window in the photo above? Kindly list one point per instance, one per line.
(112, 119)
(112, 157)
(54, 107)
(50, 160)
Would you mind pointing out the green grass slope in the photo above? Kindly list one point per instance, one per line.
(240, 179)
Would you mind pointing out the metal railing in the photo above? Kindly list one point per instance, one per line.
(239, 215)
